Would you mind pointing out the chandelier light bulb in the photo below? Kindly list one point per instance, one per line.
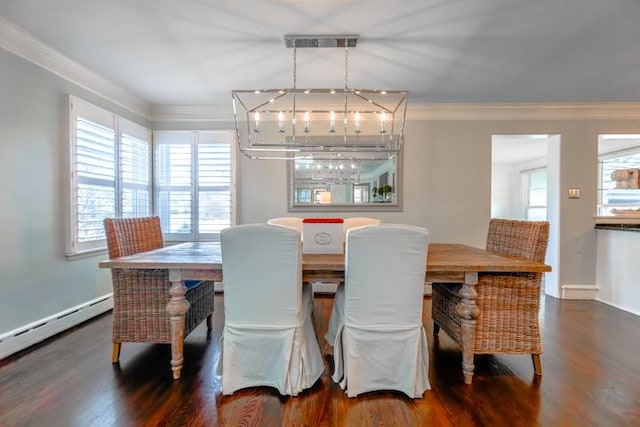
(332, 122)
(357, 121)
(280, 122)
(256, 119)
(306, 121)
(383, 119)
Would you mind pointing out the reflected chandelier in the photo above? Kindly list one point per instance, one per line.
(338, 171)
(320, 123)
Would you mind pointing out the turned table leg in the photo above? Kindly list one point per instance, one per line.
(468, 312)
(177, 308)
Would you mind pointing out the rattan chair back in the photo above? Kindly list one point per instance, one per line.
(128, 236)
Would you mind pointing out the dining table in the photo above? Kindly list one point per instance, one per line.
(446, 263)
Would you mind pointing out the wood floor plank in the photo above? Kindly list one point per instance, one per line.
(590, 364)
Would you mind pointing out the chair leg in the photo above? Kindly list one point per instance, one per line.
(436, 329)
(537, 364)
(209, 321)
(115, 354)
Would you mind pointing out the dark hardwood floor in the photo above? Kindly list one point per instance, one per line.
(591, 365)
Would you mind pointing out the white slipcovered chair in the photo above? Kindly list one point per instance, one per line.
(348, 224)
(380, 343)
(268, 338)
(358, 222)
(297, 224)
(287, 221)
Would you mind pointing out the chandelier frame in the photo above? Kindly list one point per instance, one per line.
(294, 122)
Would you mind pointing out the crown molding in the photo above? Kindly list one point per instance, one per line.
(484, 112)
(192, 113)
(444, 112)
(19, 42)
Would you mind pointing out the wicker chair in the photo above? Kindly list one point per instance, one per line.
(508, 303)
(140, 297)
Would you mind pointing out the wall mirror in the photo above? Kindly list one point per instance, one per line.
(336, 183)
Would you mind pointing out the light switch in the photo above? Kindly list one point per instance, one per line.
(574, 193)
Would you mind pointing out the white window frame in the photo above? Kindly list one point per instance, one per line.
(607, 187)
(526, 190)
(193, 137)
(120, 126)
(360, 192)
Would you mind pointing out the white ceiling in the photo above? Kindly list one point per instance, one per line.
(194, 52)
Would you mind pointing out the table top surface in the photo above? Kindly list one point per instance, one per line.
(442, 257)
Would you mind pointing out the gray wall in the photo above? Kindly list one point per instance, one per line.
(36, 279)
(447, 188)
(434, 196)
(447, 184)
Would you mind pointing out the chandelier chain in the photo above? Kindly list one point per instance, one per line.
(346, 68)
(346, 85)
(293, 113)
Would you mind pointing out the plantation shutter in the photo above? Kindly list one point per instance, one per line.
(193, 183)
(110, 172)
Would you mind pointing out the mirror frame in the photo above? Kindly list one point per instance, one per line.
(345, 207)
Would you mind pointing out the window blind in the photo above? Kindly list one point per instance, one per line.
(110, 159)
(194, 183)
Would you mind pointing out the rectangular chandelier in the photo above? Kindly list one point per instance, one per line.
(295, 122)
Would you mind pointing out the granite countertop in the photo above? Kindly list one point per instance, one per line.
(620, 226)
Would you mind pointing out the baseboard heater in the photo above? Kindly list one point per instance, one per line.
(35, 332)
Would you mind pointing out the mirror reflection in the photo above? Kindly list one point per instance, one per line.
(321, 183)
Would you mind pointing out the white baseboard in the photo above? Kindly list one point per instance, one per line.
(324, 288)
(618, 306)
(428, 289)
(587, 292)
(28, 335)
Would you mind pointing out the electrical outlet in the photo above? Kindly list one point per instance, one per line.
(574, 193)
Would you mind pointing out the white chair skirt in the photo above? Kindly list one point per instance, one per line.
(337, 315)
(383, 360)
(285, 360)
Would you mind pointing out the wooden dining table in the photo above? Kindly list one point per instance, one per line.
(446, 262)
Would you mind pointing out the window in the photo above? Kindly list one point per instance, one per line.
(110, 159)
(111, 176)
(619, 157)
(194, 183)
(535, 198)
(303, 195)
(361, 193)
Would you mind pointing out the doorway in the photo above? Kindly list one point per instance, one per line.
(525, 185)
